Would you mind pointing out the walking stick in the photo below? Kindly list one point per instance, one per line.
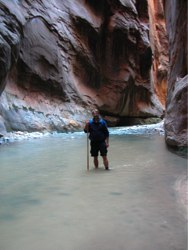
(88, 148)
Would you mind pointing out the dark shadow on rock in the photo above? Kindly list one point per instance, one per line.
(180, 151)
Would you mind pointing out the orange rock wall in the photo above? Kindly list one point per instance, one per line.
(159, 44)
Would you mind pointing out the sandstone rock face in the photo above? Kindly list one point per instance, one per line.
(176, 108)
(59, 59)
(159, 44)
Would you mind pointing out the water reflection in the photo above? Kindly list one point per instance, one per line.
(49, 201)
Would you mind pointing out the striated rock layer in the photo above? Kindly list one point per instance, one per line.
(59, 59)
(176, 107)
(159, 45)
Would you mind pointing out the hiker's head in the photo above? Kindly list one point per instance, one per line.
(95, 114)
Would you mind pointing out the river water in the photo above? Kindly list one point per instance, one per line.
(49, 201)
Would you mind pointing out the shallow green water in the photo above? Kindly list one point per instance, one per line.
(48, 201)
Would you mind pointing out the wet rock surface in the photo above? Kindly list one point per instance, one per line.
(176, 107)
(60, 58)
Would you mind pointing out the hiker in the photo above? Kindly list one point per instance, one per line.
(99, 138)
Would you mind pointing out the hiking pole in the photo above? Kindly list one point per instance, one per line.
(87, 148)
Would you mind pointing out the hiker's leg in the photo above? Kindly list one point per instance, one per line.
(105, 162)
(96, 162)
(103, 151)
(94, 153)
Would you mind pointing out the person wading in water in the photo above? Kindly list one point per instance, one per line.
(99, 138)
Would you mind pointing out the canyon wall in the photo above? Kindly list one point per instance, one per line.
(176, 116)
(59, 59)
(159, 45)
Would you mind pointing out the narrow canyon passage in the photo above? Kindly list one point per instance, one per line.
(49, 201)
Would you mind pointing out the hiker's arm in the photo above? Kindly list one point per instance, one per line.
(107, 141)
(86, 127)
(106, 131)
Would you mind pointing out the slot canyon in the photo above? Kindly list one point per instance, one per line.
(60, 59)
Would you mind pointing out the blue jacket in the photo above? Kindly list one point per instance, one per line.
(98, 131)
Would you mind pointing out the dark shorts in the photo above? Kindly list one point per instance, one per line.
(97, 147)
